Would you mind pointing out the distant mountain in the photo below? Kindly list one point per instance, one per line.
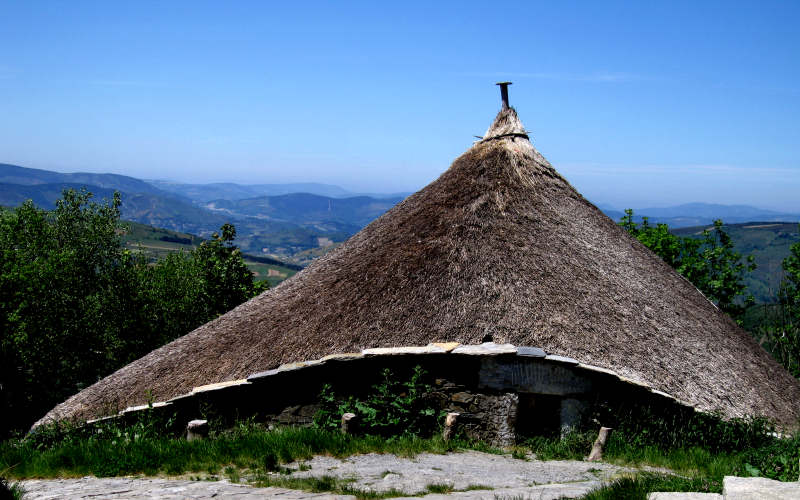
(14, 174)
(289, 224)
(698, 214)
(203, 193)
(305, 208)
(153, 209)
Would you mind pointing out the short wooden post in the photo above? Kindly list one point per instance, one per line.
(450, 423)
(599, 444)
(348, 423)
(196, 429)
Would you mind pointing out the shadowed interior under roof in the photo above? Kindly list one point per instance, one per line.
(499, 244)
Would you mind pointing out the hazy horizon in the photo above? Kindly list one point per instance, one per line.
(635, 104)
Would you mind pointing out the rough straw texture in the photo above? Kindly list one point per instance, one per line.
(499, 244)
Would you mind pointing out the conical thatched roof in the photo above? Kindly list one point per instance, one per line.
(499, 244)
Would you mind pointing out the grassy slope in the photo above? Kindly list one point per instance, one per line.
(768, 242)
(157, 243)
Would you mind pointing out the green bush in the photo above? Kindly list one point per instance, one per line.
(75, 305)
(392, 408)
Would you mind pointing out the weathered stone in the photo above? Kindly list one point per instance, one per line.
(288, 367)
(219, 385)
(598, 369)
(447, 346)
(262, 375)
(349, 421)
(599, 444)
(663, 394)
(528, 375)
(759, 488)
(531, 352)
(633, 381)
(462, 397)
(196, 429)
(562, 359)
(450, 423)
(130, 409)
(389, 351)
(486, 349)
(683, 496)
(344, 356)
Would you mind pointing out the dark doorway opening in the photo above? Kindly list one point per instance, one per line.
(538, 415)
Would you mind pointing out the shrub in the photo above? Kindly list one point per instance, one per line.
(392, 408)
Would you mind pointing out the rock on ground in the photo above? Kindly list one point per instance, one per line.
(759, 488)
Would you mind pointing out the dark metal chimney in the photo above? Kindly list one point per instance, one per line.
(504, 92)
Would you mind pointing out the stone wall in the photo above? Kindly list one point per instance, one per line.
(500, 391)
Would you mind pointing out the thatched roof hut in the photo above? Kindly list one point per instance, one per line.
(499, 244)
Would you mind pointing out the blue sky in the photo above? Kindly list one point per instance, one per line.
(636, 103)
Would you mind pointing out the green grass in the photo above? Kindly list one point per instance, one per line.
(331, 484)
(247, 448)
(637, 487)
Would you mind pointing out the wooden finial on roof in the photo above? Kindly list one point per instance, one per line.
(504, 92)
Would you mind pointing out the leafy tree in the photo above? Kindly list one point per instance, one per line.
(782, 336)
(710, 263)
(76, 305)
(790, 288)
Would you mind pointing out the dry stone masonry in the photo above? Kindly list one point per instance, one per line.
(499, 390)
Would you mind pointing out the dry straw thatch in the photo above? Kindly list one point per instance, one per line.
(499, 244)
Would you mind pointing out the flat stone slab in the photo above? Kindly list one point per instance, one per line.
(540, 492)
(634, 381)
(381, 472)
(288, 367)
(219, 385)
(447, 346)
(674, 495)
(343, 356)
(562, 359)
(598, 369)
(486, 349)
(759, 488)
(531, 352)
(390, 351)
(262, 375)
(169, 489)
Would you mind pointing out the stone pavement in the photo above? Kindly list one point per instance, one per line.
(171, 489)
(381, 472)
(500, 476)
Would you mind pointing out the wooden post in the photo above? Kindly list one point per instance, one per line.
(450, 423)
(348, 423)
(599, 443)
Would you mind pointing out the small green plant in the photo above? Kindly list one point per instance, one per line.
(232, 473)
(392, 408)
(637, 487)
(441, 488)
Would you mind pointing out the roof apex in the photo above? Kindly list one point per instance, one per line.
(506, 124)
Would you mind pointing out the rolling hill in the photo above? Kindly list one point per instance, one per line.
(768, 242)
